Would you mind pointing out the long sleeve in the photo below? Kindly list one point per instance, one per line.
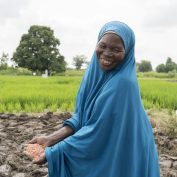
(73, 122)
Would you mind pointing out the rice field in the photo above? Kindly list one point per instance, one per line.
(33, 94)
(158, 93)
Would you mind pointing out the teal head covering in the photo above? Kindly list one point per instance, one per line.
(113, 136)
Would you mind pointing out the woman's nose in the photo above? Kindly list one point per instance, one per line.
(107, 53)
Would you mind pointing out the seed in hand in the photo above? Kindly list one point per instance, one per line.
(34, 151)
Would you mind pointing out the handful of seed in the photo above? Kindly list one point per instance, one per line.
(34, 151)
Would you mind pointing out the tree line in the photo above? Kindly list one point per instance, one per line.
(38, 51)
(169, 66)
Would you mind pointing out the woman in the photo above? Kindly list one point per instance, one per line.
(109, 134)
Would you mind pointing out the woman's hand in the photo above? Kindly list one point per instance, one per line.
(54, 138)
(36, 152)
(36, 147)
(45, 141)
(41, 159)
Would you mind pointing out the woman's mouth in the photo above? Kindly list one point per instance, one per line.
(105, 62)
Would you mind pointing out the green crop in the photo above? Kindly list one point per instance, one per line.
(36, 94)
(159, 93)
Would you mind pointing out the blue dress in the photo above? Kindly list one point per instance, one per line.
(113, 136)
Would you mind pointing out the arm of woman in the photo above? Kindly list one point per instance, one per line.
(59, 135)
(36, 151)
(53, 138)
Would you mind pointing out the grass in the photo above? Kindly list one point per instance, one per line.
(153, 74)
(36, 94)
(158, 93)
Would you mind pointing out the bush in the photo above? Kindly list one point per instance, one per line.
(170, 126)
(15, 71)
(156, 74)
(172, 74)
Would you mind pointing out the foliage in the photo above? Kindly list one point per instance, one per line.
(170, 65)
(38, 51)
(172, 73)
(169, 126)
(167, 67)
(153, 74)
(137, 66)
(166, 120)
(4, 61)
(79, 60)
(15, 71)
(161, 68)
(144, 66)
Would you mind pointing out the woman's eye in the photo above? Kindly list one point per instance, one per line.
(102, 46)
(117, 50)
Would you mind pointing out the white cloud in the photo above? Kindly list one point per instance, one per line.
(11, 9)
(162, 15)
(77, 23)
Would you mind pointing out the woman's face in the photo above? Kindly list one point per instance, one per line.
(110, 51)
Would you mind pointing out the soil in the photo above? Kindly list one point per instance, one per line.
(17, 130)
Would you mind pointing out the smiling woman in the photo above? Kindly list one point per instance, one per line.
(110, 51)
(109, 134)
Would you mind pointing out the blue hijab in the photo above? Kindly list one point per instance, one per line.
(113, 136)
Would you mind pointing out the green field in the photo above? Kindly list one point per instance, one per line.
(36, 94)
(158, 93)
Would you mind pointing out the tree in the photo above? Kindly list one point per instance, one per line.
(170, 65)
(161, 68)
(38, 51)
(79, 60)
(3, 61)
(137, 66)
(144, 66)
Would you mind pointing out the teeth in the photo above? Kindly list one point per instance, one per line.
(106, 62)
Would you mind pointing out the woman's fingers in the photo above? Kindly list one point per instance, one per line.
(40, 160)
(34, 140)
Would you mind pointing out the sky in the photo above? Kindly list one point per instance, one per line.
(76, 23)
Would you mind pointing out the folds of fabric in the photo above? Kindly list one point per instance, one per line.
(113, 136)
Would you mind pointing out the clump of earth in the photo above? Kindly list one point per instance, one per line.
(18, 130)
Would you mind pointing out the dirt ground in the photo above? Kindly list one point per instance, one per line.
(17, 130)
